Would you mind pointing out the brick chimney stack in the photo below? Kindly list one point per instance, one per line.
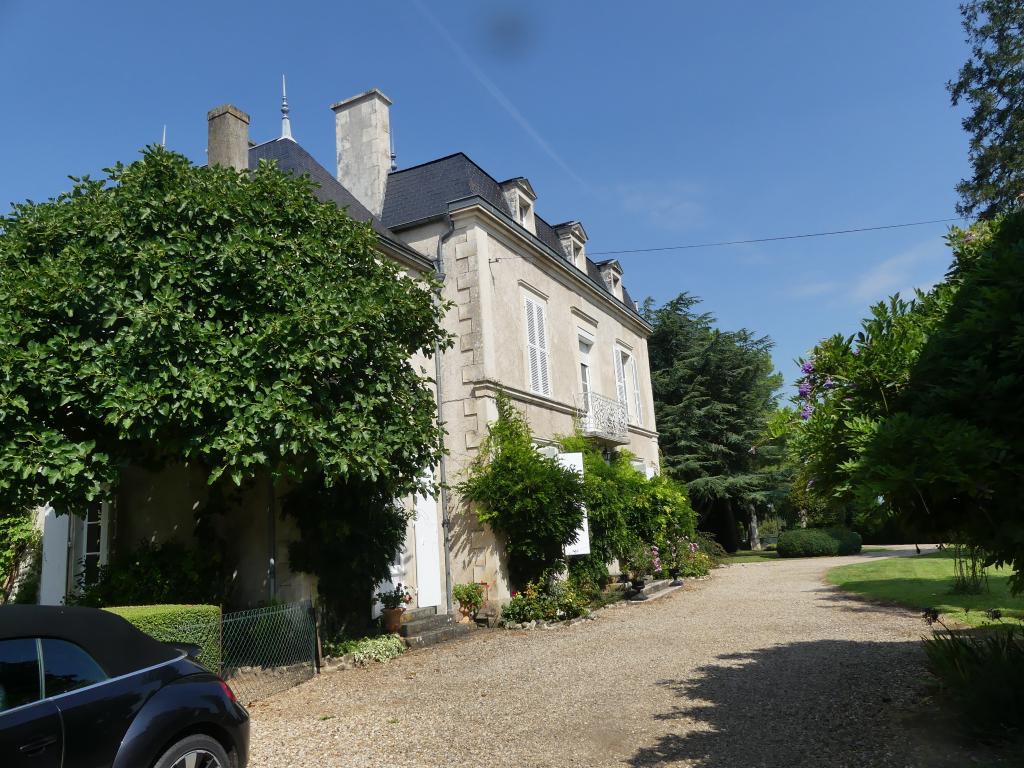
(362, 127)
(227, 141)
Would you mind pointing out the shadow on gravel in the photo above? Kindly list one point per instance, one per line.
(854, 603)
(823, 703)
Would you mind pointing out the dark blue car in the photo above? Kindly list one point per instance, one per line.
(82, 688)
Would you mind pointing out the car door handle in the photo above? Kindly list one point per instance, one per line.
(37, 746)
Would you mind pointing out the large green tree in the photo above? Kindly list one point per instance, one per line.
(171, 313)
(714, 392)
(920, 416)
(991, 84)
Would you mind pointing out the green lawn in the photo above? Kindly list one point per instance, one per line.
(926, 582)
(750, 556)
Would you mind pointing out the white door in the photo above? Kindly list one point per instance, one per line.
(582, 544)
(429, 589)
(53, 580)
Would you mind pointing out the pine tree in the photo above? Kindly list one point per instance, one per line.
(991, 83)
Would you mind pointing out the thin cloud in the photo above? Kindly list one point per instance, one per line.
(921, 266)
(813, 289)
(491, 87)
(671, 206)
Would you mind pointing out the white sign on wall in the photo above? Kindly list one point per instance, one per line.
(581, 546)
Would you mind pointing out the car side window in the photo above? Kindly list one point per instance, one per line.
(19, 673)
(66, 667)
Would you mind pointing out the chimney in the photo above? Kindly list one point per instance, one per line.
(362, 127)
(227, 142)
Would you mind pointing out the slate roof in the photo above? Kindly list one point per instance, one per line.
(423, 192)
(291, 157)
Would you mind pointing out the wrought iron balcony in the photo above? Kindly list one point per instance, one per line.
(602, 417)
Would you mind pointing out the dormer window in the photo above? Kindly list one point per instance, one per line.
(512, 201)
(611, 273)
(525, 213)
(519, 197)
(573, 239)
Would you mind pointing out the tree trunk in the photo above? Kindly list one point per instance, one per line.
(755, 538)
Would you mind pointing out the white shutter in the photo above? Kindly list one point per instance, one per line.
(542, 346)
(636, 393)
(620, 378)
(531, 347)
(537, 347)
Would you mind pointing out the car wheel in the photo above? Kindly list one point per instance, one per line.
(197, 751)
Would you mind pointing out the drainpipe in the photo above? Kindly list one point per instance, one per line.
(443, 464)
(271, 538)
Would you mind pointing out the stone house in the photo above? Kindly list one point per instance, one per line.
(532, 316)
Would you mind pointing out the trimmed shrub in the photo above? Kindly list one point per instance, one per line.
(818, 542)
(849, 541)
(197, 624)
(807, 542)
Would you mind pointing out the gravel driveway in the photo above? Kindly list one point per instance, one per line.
(760, 665)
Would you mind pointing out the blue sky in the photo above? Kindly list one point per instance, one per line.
(652, 123)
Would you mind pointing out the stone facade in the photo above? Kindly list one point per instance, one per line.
(490, 269)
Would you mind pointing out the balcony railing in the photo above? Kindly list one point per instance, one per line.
(602, 417)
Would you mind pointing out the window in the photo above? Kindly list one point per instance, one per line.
(91, 554)
(19, 673)
(620, 376)
(66, 667)
(537, 347)
(585, 346)
(524, 212)
(625, 366)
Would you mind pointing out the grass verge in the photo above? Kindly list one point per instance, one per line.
(927, 582)
(750, 556)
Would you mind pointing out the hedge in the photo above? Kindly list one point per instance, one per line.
(816, 542)
(198, 624)
(849, 541)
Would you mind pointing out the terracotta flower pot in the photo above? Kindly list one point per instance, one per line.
(392, 618)
(467, 615)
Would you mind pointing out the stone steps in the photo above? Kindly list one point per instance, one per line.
(655, 589)
(434, 636)
(414, 614)
(425, 626)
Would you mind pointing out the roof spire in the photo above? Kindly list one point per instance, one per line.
(286, 126)
(163, 141)
(394, 157)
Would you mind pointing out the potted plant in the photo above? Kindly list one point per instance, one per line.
(678, 550)
(639, 561)
(394, 602)
(471, 599)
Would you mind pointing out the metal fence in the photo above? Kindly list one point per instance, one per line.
(262, 651)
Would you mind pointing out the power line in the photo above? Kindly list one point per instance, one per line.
(772, 239)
